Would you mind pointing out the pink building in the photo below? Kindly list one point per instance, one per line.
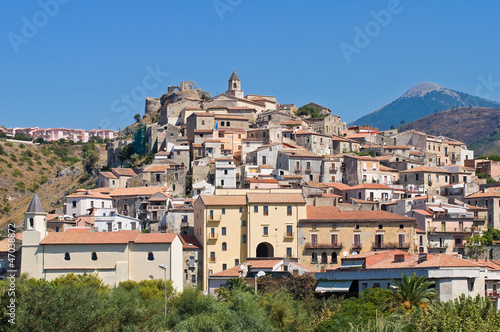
(55, 134)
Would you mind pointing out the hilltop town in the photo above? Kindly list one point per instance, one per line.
(237, 184)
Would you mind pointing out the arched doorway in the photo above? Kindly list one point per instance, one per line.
(265, 250)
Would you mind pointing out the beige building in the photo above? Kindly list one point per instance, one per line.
(430, 179)
(114, 256)
(233, 225)
(326, 234)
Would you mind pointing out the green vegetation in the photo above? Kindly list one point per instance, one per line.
(23, 137)
(493, 157)
(90, 157)
(311, 111)
(138, 306)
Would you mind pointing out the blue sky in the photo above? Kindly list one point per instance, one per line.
(87, 64)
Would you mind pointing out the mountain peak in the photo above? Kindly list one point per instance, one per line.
(422, 89)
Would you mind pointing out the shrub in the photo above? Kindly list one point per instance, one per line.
(43, 179)
(17, 173)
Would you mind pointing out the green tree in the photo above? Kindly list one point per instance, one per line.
(90, 157)
(137, 117)
(475, 245)
(412, 292)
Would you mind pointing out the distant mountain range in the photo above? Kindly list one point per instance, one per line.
(477, 127)
(421, 100)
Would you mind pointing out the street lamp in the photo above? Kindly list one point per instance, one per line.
(164, 268)
(258, 275)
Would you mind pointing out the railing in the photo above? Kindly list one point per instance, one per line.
(184, 224)
(459, 245)
(453, 216)
(314, 261)
(212, 217)
(213, 236)
(493, 295)
(297, 170)
(437, 245)
(211, 259)
(333, 170)
(480, 218)
(289, 235)
(357, 246)
(308, 169)
(323, 245)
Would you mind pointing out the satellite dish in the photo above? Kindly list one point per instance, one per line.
(354, 253)
(345, 254)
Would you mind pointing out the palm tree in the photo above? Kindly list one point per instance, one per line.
(412, 292)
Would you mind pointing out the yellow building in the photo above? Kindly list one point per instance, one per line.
(233, 225)
(326, 233)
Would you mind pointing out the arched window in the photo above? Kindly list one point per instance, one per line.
(334, 258)
(31, 222)
(314, 257)
(324, 258)
(94, 256)
(67, 257)
(222, 123)
(224, 246)
(151, 257)
(228, 124)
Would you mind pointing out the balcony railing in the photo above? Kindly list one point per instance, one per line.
(437, 245)
(357, 245)
(308, 169)
(314, 261)
(482, 219)
(459, 245)
(212, 217)
(184, 224)
(212, 260)
(492, 295)
(453, 216)
(289, 235)
(213, 236)
(323, 245)
(333, 170)
(298, 170)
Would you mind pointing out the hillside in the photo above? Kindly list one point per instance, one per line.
(421, 100)
(52, 170)
(478, 127)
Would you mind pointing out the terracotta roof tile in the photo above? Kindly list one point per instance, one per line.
(370, 186)
(190, 242)
(275, 198)
(213, 200)
(120, 237)
(155, 238)
(322, 213)
(123, 171)
(4, 244)
(427, 169)
(135, 191)
(108, 175)
(156, 168)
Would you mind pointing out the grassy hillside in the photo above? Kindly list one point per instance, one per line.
(52, 170)
(477, 127)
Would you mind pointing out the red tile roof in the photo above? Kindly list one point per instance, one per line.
(322, 213)
(123, 171)
(136, 191)
(190, 242)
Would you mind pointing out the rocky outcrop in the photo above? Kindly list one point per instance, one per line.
(152, 105)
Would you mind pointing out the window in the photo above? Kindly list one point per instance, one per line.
(401, 240)
(380, 227)
(244, 238)
(193, 278)
(288, 210)
(265, 230)
(314, 240)
(151, 257)
(357, 227)
(264, 160)
(67, 257)
(224, 246)
(94, 256)
(223, 211)
(357, 241)
(401, 226)
(255, 209)
(334, 238)
(223, 230)
(289, 230)
(334, 258)
(225, 172)
(212, 256)
(222, 182)
(288, 252)
(224, 267)
(133, 225)
(243, 223)
(376, 285)
(74, 204)
(31, 222)
(314, 257)
(379, 240)
(266, 210)
(56, 229)
(241, 209)
(416, 177)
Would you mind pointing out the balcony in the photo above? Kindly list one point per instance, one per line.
(333, 170)
(391, 245)
(323, 245)
(212, 217)
(437, 245)
(480, 219)
(211, 260)
(491, 295)
(289, 235)
(459, 245)
(184, 224)
(453, 216)
(308, 169)
(314, 261)
(298, 170)
(357, 245)
(213, 236)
